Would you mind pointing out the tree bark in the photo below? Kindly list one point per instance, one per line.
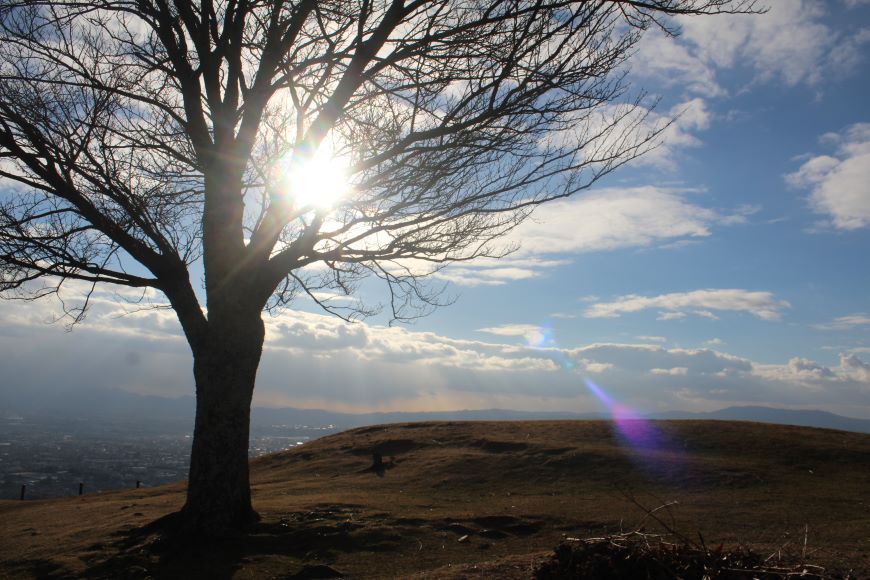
(225, 369)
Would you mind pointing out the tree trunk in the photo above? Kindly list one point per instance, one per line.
(225, 368)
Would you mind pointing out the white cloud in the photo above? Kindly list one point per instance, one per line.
(661, 135)
(533, 334)
(496, 272)
(691, 115)
(813, 171)
(791, 43)
(706, 314)
(854, 368)
(642, 358)
(613, 218)
(597, 368)
(601, 220)
(813, 375)
(327, 297)
(674, 63)
(674, 129)
(674, 371)
(686, 119)
(698, 302)
(840, 184)
(652, 338)
(787, 43)
(845, 322)
(510, 329)
(671, 315)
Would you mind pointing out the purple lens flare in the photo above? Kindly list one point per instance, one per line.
(632, 428)
(646, 444)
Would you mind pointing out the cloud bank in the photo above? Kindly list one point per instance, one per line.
(312, 360)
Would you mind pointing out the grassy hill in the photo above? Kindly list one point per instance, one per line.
(477, 499)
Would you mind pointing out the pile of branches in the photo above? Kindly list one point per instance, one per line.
(650, 557)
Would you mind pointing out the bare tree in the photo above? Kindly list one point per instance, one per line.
(143, 140)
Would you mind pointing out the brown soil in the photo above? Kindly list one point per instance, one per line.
(475, 500)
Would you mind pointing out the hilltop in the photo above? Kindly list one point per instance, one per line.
(477, 499)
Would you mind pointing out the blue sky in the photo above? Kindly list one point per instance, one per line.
(728, 266)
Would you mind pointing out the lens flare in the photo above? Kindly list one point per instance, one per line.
(647, 445)
(541, 337)
(632, 427)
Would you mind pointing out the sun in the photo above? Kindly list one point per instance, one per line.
(316, 181)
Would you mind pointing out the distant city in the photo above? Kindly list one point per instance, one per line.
(55, 458)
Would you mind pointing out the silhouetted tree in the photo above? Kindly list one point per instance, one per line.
(148, 143)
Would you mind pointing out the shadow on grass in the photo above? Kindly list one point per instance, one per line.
(38, 568)
(294, 548)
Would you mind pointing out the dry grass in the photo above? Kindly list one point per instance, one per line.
(514, 489)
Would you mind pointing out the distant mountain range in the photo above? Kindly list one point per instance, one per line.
(805, 418)
(113, 404)
(821, 419)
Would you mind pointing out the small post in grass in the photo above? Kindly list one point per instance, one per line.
(23, 488)
(81, 488)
